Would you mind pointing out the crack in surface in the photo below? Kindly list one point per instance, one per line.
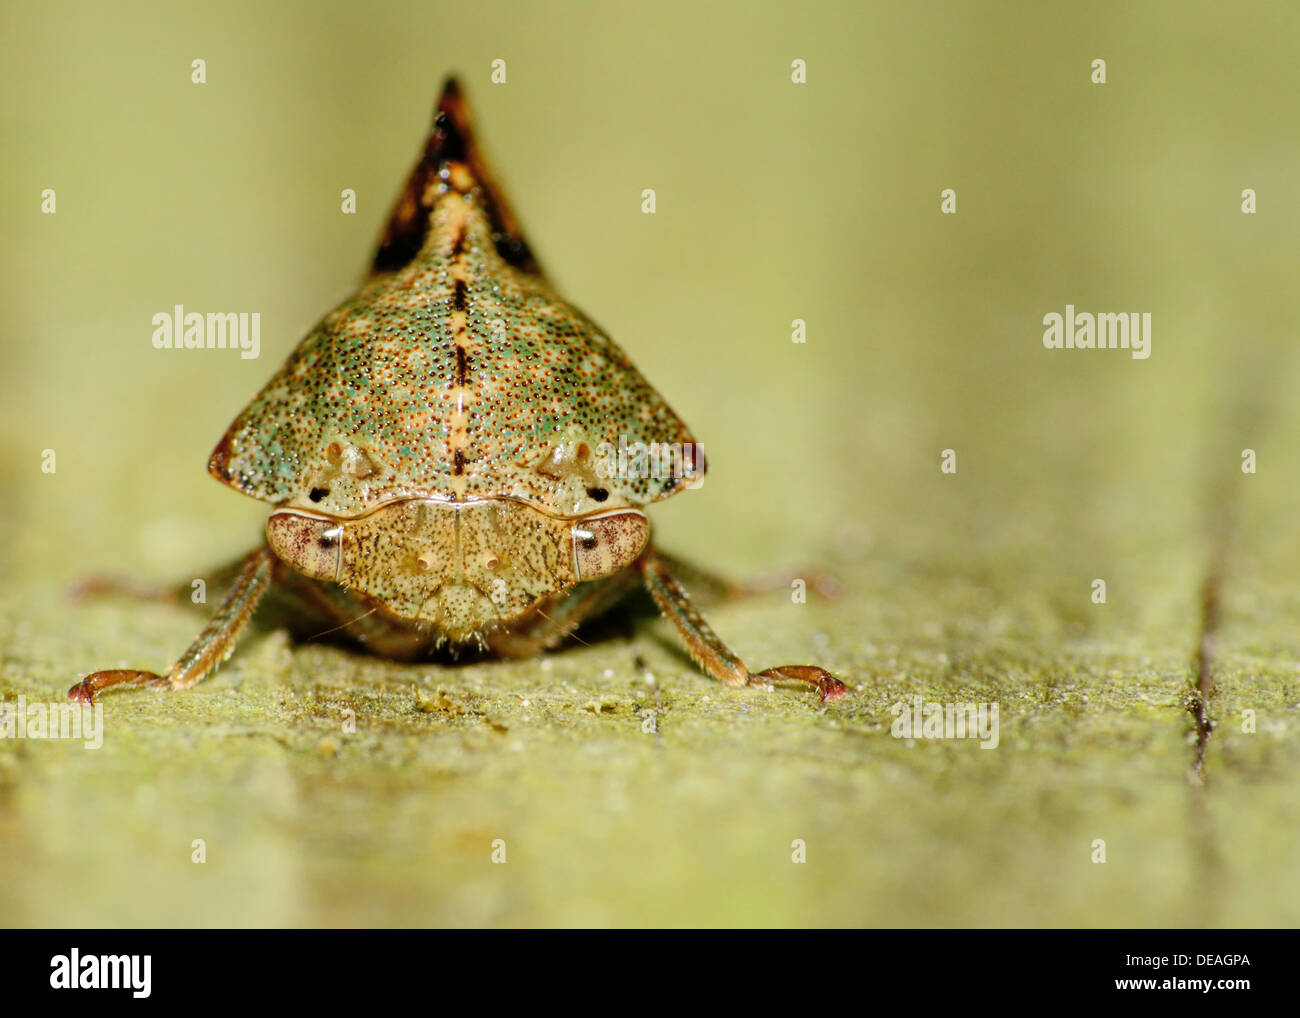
(1197, 701)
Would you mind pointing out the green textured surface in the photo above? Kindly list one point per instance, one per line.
(775, 202)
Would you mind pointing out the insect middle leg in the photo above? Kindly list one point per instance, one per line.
(209, 649)
(706, 647)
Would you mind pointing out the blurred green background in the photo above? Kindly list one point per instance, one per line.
(776, 201)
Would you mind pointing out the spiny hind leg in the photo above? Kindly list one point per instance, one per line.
(706, 647)
(209, 649)
(709, 586)
(104, 584)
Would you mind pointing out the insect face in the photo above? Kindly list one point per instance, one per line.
(464, 568)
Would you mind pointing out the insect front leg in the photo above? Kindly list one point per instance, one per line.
(210, 648)
(706, 647)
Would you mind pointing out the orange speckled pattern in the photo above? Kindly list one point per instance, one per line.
(457, 375)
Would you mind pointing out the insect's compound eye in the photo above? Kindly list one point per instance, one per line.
(602, 545)
(312, 545)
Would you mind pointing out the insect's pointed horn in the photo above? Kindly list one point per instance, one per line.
(451, 161)
(451, 137)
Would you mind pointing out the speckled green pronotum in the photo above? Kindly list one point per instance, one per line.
(440, 453)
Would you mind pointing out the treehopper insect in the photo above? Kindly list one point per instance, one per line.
(438, 450)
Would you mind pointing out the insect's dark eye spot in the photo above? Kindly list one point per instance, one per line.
(316, 494)
(670, 484)
(327, 542)
(599, 494)
(589, 543)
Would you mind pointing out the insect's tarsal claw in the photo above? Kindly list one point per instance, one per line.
(827, 684)
(85, 690)
(82, 693)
